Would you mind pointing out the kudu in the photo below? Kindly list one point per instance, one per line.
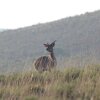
(45, 63)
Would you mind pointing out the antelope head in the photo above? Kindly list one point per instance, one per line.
(49, 47)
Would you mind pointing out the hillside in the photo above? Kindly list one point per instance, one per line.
(69, 84)
(77, 38)
(1, 30)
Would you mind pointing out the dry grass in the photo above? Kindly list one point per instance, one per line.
(72, 83)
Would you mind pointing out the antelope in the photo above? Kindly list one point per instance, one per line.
(45, 63)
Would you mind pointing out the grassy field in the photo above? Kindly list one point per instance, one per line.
(71, 83)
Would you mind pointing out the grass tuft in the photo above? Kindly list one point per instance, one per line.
(72, 83)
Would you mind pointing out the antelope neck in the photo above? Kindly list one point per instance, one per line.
(51, 54)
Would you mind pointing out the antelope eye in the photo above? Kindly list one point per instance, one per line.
(47, 49)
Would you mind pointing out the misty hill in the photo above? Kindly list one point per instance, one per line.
(77, 37)
(1, 30)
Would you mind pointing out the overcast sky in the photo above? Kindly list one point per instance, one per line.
(20, 13)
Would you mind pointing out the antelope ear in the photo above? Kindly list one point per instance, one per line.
(46, 45)
(53, 43)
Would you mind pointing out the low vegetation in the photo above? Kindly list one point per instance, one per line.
(72, 83)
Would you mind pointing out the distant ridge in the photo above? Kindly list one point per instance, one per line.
(77, 38)
(1, 30)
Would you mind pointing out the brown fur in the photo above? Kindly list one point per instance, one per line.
(45, 63)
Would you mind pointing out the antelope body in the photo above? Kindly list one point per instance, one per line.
(45, 63)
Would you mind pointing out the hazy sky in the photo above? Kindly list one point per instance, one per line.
(20, 13)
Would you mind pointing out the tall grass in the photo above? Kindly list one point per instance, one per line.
(72, 83)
